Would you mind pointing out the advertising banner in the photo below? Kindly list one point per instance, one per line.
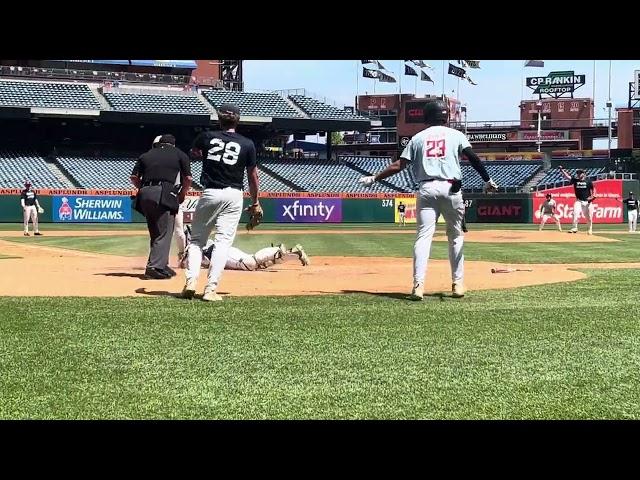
(91, 209)
(500, 210)
(309, 210)
(606, 208)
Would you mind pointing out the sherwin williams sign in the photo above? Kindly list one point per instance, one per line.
(309, 210)
(103, 209)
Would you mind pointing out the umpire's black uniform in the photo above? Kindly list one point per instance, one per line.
(156, 175)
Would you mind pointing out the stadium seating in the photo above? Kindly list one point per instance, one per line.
(16, 167)
(317, 109)
(254, 104)
(133, 102)
(98, 173)
(506, 175)
(47, 95)
(553, 175)
(323, 176)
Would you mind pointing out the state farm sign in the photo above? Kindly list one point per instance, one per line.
(605, 208)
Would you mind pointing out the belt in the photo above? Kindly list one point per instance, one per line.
(153, 183)
(439, 179)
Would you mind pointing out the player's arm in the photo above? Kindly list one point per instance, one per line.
(185, 176)
(478, 166)
(22, 198)
(395, 167)
(592, 192)
(252, 176)
(136, 174)
(197, 147)
(564, 173)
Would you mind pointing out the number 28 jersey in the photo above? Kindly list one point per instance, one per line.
(225, 157)
(435, 153)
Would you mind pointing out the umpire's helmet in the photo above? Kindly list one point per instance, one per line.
(436, 112)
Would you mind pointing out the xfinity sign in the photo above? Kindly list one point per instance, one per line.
(556, 84)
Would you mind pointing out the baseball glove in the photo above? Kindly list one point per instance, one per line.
(255, 216)
(40, 210)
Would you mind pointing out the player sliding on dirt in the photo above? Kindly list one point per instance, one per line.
(239, 260)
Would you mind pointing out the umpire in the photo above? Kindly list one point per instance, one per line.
(160, 193)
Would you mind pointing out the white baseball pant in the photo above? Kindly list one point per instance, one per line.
(632, 216)
(432, 199)
(30, 212)
(178, 232)
(546, 216)
(585, 207)
(219, 208)
(239, 260)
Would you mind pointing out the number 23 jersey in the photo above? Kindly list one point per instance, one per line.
(225, 157)
(435, 153)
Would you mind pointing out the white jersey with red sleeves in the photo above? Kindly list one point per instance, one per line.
(435, 153)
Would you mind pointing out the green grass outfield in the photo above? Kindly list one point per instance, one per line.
(567, 350)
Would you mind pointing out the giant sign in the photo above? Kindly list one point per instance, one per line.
(309, 210)
(606, 208)
(93, 209)
(556, 84)
(500, 210)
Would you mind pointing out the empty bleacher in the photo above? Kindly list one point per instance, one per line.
(323, 176)
(317, 109)
(98, 173)
(156, 103)
(553, 175)
(253, 104)
(505, 174)
(16, 167)
(47, 95)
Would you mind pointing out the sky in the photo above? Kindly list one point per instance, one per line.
(495, 97)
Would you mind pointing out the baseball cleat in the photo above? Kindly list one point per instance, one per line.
(189, 289)
(211, 296)
(418, 292)
(26, 234)
(457, 290)
(37, 233)
(156, 274)
(573, 230)
(302, 255)
(590, 232)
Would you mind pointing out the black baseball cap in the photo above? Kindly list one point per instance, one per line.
(229, 108)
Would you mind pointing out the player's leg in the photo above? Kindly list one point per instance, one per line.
(226, 224)
(34, 220)
(426, 215)
(577, 206)
(452, 208)
(587, 211)
(201, 226)
(26, 214)
(239, 260)
(556, 217)
(543, 221)
(178, 234)
(633, 220)
(266, 257)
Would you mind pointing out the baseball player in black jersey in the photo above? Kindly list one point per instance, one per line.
(632, 211)
(585, 194)
(225, 156)
(401, 209)
(30, 208)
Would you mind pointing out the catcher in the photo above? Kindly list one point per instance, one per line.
(239, 260)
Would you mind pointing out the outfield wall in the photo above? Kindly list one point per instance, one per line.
(116, 206)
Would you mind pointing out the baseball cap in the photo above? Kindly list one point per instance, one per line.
(27, 183)
(229, 108)
(156, 140)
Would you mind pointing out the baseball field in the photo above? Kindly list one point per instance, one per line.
(83, 336)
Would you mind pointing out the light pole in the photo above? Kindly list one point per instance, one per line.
(539, 142)
(464, 110)
(609, 105)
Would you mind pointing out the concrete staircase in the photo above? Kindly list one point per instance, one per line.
(533, 181)
(59, 174)
(104, 105)
(295, 107)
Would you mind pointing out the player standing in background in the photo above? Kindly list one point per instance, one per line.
(585, 194)
(30, 208)
(632, 211)
(226, 154)
(434, 154)
(549, 209)
(401, 214)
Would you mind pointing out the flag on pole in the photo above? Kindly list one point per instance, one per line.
(473, 63)
(425, 78)
(384, 78)
(534, 63)
(469, 80)
(366, 62)
(463, 63)
(366, 72)
(457, 71)
(380, 66)
(408, 70)
(420, 63)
